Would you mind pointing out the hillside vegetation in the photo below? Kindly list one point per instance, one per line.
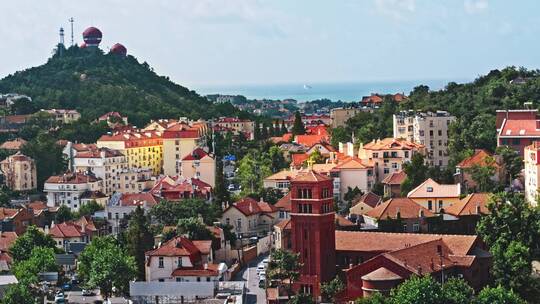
(95, 83)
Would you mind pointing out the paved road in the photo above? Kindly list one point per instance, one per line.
(255, 294)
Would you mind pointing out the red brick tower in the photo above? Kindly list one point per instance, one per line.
(313, 230)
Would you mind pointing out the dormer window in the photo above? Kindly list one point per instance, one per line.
(429, 189)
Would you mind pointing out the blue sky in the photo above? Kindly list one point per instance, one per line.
(211, 42)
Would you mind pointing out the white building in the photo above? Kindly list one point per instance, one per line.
(68, 188)
(104, 163)
(122, 204)
(532, 172)
(429, 129)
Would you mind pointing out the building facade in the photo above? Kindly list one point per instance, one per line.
(68, 189)
(531, 159)
(339, 116)
(104, 163)
(19, 172)
(517, 128)
(429, 129)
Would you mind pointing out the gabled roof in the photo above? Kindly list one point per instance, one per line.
(284, 203)
(6, 213)
(342, 221)
(406, 208)
(6, 240)
(15, 144)
(479, 158)
(431, 188)
(284, 225)
(282, 175)
(95, 152)
(72, 178)
(353, 163)
(395, 178)
(196, 155)
(178, 246)
(249, 206)
(520, 128)
(381, 274)
(470, 205)
(388, 241)
(206, 270)
(136, 199)
(298, 159)
(310, 139)
(371, 199)
(66, 230)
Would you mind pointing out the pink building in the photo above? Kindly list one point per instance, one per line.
(517, 128)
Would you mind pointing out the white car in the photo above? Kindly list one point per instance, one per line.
(262, 274)
(261, 267)
(266, 261)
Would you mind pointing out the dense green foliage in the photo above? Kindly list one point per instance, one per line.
(95, 83)
(17, 294)
(168, 213)
(138, 239)
(41, 260)
(102, 261)
(193, 229)
(21, 250)
(330, 289)
(284, 269)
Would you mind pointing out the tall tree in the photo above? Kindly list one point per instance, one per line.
(138, 239)
(18, 294)
(418, 290)
(47, 155)
(298, 126)
(331, 289)
(41, 260)
(416, 173)
(257, 131)
(193, 229)
(264, 131)
(284, 129)
(104, 264)
(512, 162)
(168, 212)
(482, 175)
(22, 248)
(278, 160)
(284, 268)
(496, 295)
(63, 214)
(221, 194)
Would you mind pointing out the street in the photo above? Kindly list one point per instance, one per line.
(255, 294)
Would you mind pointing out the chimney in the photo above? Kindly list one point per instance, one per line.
(52, 224)
(83, 228)
(477, 209)
(46, 229)
(205, 266)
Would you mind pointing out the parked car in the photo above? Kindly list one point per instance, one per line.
(262, 281)
(266, 261)
(87, 292)
(231, 187)
(261, 267)
(66, 287)
(59, 298)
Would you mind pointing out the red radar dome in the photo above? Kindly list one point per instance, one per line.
(119, 49)
(92, 36)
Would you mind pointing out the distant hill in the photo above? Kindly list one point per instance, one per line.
(94, 83)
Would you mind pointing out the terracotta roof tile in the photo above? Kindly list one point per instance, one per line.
(406, 207)
(284, 225)
(393, 144)
(353, 163)
(15, 144)
(395, 178)
(479, 158)
(6, 240)
(284, 203)
(431, 188)
(469, 204)
(298, 159)
(72, 178)
(310, 176)
(371, 199)
(196, 154)
(207, 270)
(249, 206)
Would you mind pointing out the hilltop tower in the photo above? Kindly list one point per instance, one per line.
(313, 230)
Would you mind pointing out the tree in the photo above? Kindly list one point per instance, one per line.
(284, 266)
(18, 294)
(168, 212)
(41, 260)
(457, 291)
(301, 298)
(47, 155)
(351, 194)
(416, 173)
(264, 131)
(298, 126)
(277, 158)
(22, 247)
(193, 229)
(104, 264)
(417, 290)
(138, 239)
(498, 295)
(339, 134)
(375, 298)
(482, 175)
(511, 265)
(221, 194)
(270, 195)
(316, 157)
(252, 169)
(284, 129)
(256, 131)
(63, 214)
(512, 162)
(89, 208)
(330, 289)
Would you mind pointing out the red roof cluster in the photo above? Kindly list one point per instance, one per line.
(249, 206)
(175, 188)
(138, 199)
(72, 178)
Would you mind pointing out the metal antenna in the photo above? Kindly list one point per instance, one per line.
(71, 20)
(62, 36)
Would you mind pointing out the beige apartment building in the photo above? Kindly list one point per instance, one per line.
(235, 125)
(339, 116)
(104, 163)
(19, 172)
(388, 155)
(429, 129)
(531, 158)
(200, 165)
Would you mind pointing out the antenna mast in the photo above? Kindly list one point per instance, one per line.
(71, 20)
(62, 36)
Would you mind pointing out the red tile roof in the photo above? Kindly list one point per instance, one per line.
(135, 199)
(284, 225)
(392, 144)
(470, 205)
(298, 159)
(342, 221)
(179, 246)
(66, 230)
(6, 213)
(386, 241)
(310, 176)
(15, 144)
(395, 178)
(431, 188)
(480, 158)
(72, 178)
(97, 153)
(6, 240)
(371, 199)
(406, 208)
(353, 163)
(196, 154)
(311, 139)
(284, 203)
(206, 270)
(381, 274)
(249, 206)
(520, 128)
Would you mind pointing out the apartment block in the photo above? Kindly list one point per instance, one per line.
(19, 172)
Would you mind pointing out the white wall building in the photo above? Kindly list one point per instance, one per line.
(68, 188)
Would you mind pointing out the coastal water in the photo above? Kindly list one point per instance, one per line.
(311, 91)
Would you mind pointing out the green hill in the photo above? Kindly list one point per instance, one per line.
(95, 83)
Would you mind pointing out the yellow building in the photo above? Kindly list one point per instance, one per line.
(434, 196)
(143, 149)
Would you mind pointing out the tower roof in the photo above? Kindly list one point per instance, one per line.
(310, 176)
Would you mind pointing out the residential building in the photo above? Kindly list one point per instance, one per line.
(179, 140)
(16, 219)
(480, 158)
(363, 203)
(517, 128)
(249, 217)
(177, 188)
(183, 260)
(235, 125)
(199, 165)
(122, 204)
(378, 261)
(463, 216)
(282, 235)
(19, 172)
(63, 115)
(143, 149)
(65, 234)
(280, 180)
(392, 183)
(6, 241)
(434, 196)
(135, 180)
(388, 155)
(399, 215)
(113, 119)
(103, 163)
(68, 188)
(429, 129)
(339, 116)
(531, 158)
(352, 173)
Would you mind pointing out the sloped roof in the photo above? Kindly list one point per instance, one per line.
(135, 199)
(72, 178)
(207, 270)
(310, 176)
(520, 128)
(342, 221)
(283, 225)
(431, 188)
(381, 274)
(7, 213)
(196, 154)
(371, 199)
(406, 208)
(7, 238)
(395, 178)
(388, 241)
(15, 144)
(353, 163)
(249, 206)
(284, 203)
(66, 230)
(469, 204)
(479, 158)
(311, 139)
(298, 159)
(392, 144)
(97, 153)
(282, 175)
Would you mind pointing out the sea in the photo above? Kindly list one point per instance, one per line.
(348, 91)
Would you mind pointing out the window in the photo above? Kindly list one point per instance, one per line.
(227, 221)
(430, 205)
(515, 141)
(429, 189)
(239, 223)
(178, 279)
(325, 193)
(440, 204)
(386, 170)
(405, 227)
(416, 227)
(375, 155)
(439, 132)
(160, 262)
(406, 154)
(161, 280)
(394, 165)
(179, 263)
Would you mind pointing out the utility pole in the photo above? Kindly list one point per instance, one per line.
(71, 20)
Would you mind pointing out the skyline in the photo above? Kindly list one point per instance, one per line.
(283, 42)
